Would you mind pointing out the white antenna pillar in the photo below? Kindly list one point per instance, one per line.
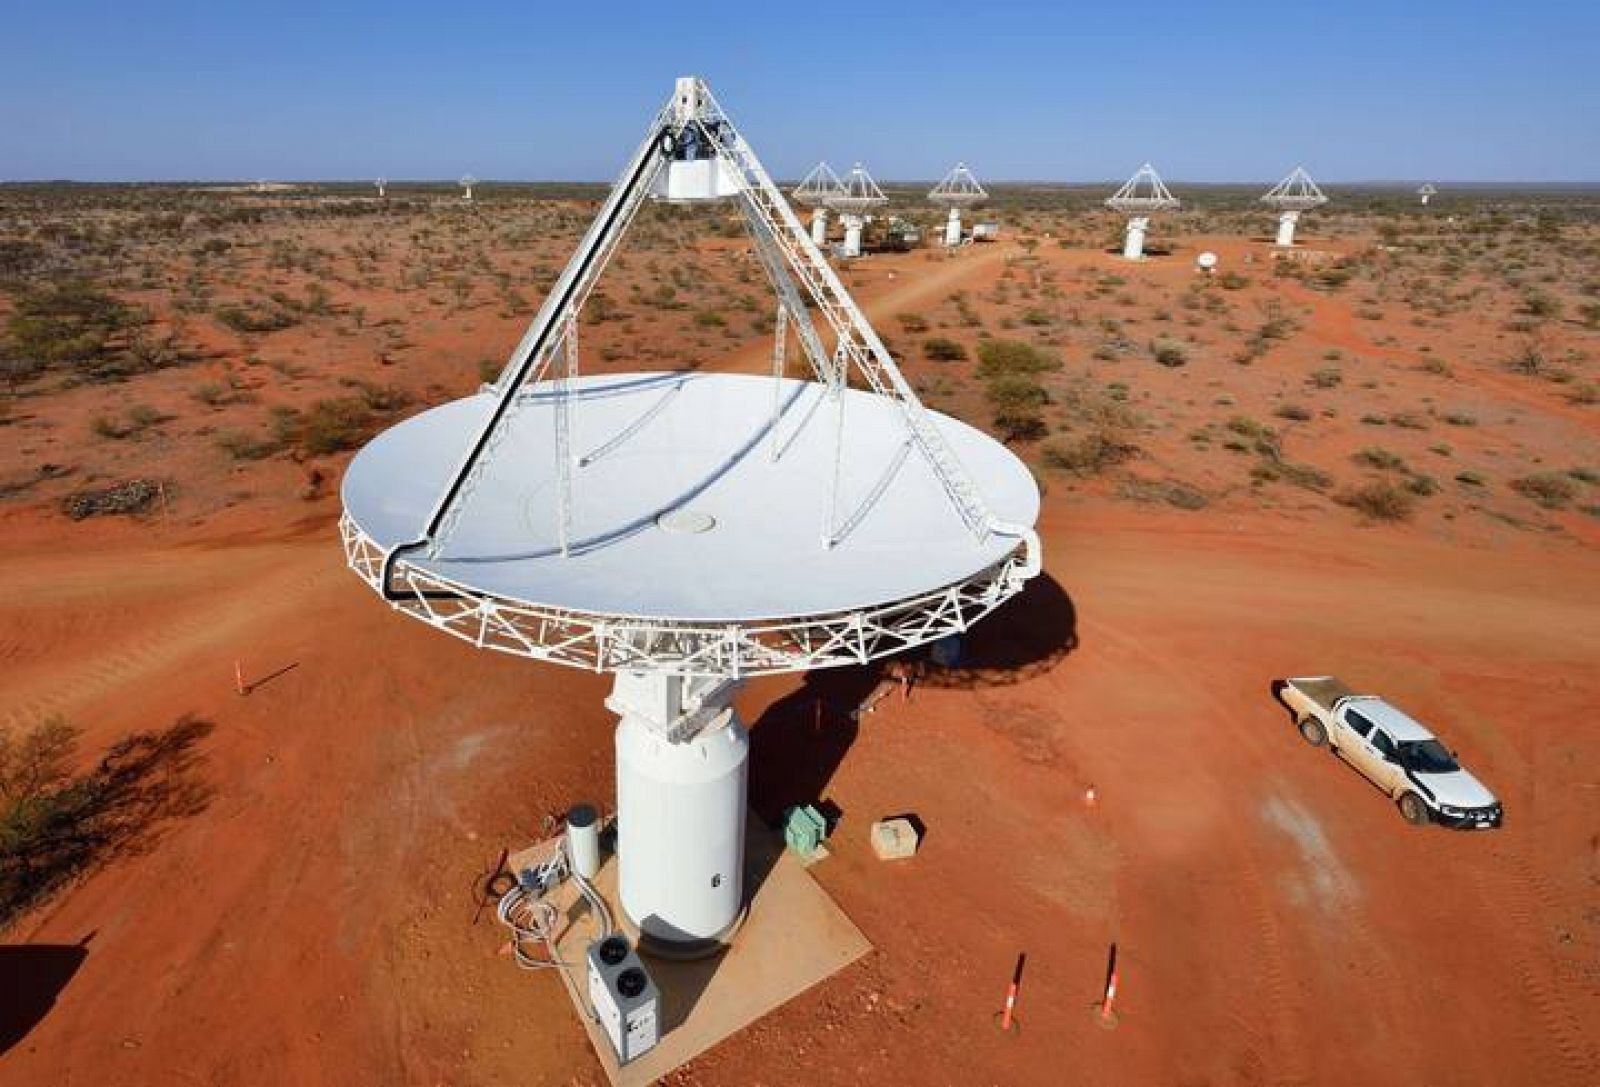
(1133, 240)
(852, 235)
(819, 226)
(958, 190)
(1286, 224)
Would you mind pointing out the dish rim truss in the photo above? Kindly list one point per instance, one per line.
(1154, 196)
(857, 192)
(736, 649)
(1297, 192)
(959, 189)
(818, 186)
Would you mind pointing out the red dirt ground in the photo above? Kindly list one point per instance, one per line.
(1276, 922)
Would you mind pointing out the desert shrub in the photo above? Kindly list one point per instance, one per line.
(1329, 377)
(942, 349)
(1294, 412)
(71, 324)
(1036, 317)
(328, 426)
(1422, 485)
(56, 826)
(129, 497)
(1020, 424)
(1373, 457)
(255, 318)
(1169, 353)
(1471, 478)
(1001, 358)
(1016, 392)
(1460, 418)
(1379, 500)
(709, 318)
(1090, 454)
(1541, 304)
(132, 423)
(242, 446)
(1528, 360)
(912, 322)
(1233, 281)
(1260, 437)
(1171, 491)
(1552, 490)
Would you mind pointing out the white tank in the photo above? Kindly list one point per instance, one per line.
(680, 829)
(852, 235)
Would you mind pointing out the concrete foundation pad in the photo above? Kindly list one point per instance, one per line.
(793, 937)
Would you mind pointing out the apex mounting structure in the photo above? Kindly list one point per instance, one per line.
(815, 190)
(1291, 196)
(856, 196)
(958, 190)
(686, 530)
(1143, 194)
(1426, 192)
(467, 182)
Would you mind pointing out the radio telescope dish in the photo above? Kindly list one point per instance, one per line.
(1427, 192)
(815, 190)
(467, 182)
(685, 530)
(1291, 196)
(1206, 262)
(1143, 194)
(958, 190)
(382, 185)
(857, 194)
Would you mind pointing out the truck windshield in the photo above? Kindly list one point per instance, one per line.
(1427, 757)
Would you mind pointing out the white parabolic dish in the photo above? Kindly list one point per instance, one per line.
(656, 453)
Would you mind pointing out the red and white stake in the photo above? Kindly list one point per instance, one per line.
(1108, 1003)
(1008, 1015)
(238, 678)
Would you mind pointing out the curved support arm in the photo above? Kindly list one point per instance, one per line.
(1033, 550)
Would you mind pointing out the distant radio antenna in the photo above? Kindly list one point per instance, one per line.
(1143, 194)
(383, 187)
(1291, 196)
(1426, 192)
(857, 194)
(466, 183)
(814, 191)
(958, 190)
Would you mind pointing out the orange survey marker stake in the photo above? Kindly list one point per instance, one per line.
(1008, 1017)
(238, 678)
(1108, 1003)
(1090, 797)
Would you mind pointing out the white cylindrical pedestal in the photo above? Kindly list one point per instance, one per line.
(583, 840)
(680, 832)
(819, 226)
(852, 235)
(1133, 243)
(1286, 222)
(952, 228)
(1425, 197)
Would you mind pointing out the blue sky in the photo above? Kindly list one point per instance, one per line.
(1209, 91)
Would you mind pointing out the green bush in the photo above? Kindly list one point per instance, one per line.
(1373, 457)
(1169, 353)
(1091, 454)
(1379, 500)
(71, 324)
(941, 349)
(1016, 392)
(1002, 358)
(1552, 490)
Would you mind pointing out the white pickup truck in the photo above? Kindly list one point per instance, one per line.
(1391, 750)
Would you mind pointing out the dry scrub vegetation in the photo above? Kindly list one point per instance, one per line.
(229, 348)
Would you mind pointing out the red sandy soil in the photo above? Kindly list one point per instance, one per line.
(1276, 922)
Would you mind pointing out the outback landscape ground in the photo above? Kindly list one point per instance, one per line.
(1377, 456)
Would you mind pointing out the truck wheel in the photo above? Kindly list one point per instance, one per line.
(1313, 731)
(1413, 810)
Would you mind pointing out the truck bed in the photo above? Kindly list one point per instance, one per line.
(1321, 691)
